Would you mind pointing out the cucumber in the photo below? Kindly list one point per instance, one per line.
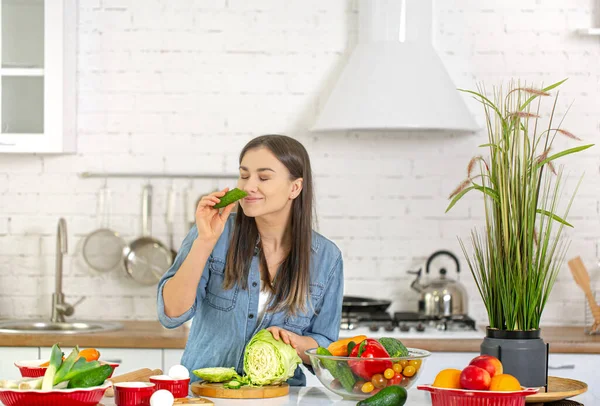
(93, 377)
(391, 396)
(233, 195)
(339, 370)
(232, 385)
(394, 347)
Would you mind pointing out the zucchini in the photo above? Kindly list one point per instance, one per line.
(394, 347)
(390, 396)
(93, 377)
(233, 195)
(338, 369)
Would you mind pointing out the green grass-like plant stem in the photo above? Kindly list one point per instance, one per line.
(516, 257)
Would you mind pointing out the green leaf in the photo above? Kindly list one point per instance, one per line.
(563, 153)
(488, 101)
(554, 217)
(488, 191)
(456, 198)
(546, 89)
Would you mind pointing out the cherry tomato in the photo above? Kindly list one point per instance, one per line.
(379, 381)
(388, 373)
(415, 363)
(397, 368)
(404, 363)
(367, 387)
(396, 380)
(409, 371)
(358, 386)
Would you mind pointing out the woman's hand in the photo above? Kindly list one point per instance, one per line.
(209, 222)
(299, 343)
(286, 336)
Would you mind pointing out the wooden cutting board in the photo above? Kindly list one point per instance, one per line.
(216, 390)
(558, 389)
(193, 401)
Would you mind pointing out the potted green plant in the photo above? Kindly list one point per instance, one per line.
(517, 255)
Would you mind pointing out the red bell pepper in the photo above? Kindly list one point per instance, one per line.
(362, 366)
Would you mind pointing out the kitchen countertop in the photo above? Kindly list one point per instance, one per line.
(316, 396)
(151, 334)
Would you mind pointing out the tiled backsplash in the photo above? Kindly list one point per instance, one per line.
(181, 86)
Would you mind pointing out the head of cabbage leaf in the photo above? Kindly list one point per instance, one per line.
(268, 361)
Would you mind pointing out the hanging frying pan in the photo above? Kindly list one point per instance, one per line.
(147, 259)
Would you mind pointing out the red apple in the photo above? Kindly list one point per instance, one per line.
(489, 363)
(475, 378)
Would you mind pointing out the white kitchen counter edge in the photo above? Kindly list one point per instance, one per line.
(317, 396)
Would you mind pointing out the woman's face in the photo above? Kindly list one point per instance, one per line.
(267, 182)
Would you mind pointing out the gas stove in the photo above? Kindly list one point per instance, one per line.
(407, 324)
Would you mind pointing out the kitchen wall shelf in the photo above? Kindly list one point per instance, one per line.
(38, 73)
(159, 175)
(589, 31)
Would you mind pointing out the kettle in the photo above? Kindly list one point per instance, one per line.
(442, 297)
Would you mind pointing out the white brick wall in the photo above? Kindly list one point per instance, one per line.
(181, 86)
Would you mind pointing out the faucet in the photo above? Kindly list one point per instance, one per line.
(60, 309)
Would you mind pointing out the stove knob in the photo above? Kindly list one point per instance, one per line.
(420, 327)
(442, 326)
(389, 327)
(404, 327)
(374, 327)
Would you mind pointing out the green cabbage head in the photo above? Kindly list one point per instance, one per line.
(268, 361)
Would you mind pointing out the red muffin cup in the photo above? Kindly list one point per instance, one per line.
(32, 369)
(178, 387)
(133, 393)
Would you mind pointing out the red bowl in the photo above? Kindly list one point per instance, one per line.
(178, 387)
(32, 369)
(54, 397)
(464, 397)
(133, 393)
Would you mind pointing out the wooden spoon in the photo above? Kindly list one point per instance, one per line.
(582, 278)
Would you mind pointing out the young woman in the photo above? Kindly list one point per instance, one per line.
(263, 267)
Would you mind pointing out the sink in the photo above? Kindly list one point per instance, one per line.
(48, 327)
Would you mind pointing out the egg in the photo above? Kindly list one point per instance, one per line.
(162, 397)
(179, 372)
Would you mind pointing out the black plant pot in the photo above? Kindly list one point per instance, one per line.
(523, 354)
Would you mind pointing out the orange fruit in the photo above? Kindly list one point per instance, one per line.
(504, 382)
(448, 378)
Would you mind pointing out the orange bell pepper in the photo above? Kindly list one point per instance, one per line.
(339, 348)
(90, 354)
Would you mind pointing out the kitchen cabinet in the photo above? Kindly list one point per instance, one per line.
(129, 358)
(582, 367)
(38, 76)
(9, 355)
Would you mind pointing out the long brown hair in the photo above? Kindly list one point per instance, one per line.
(291, 288)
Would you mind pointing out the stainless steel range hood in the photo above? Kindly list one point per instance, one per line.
(394, 79)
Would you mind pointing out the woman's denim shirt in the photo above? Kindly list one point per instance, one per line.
(225, 320)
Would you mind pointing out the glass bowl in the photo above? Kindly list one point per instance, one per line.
(348, 376)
